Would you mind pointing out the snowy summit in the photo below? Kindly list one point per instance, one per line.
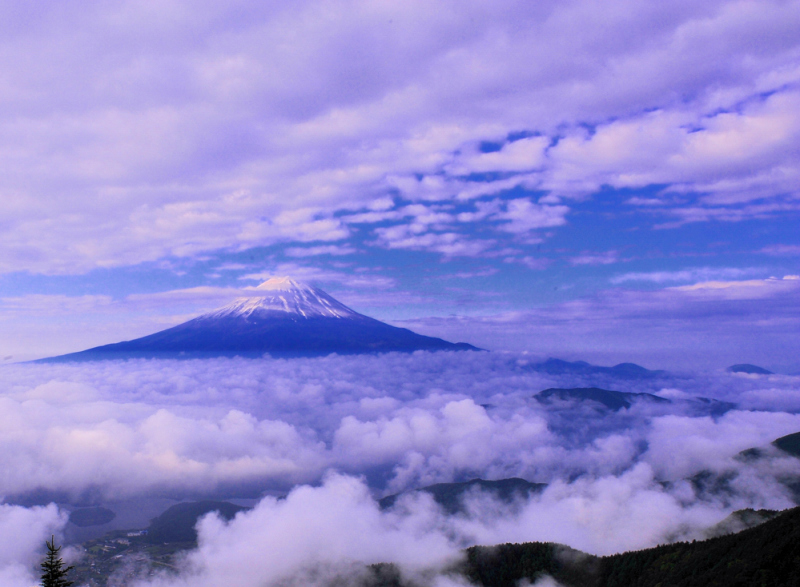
(283, 318)
(283, 294)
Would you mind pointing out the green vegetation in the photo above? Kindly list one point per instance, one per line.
(741, 520)
(53, 572)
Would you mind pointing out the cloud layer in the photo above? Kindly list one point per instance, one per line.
(135, 132)
(126, 428)
(338, 432)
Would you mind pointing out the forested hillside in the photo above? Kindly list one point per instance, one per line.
(767, 555)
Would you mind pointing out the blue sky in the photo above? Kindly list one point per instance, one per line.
(468, 169)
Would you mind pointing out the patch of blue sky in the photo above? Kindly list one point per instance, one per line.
(605, 242)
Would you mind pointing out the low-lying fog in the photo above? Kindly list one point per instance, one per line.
(337, 433)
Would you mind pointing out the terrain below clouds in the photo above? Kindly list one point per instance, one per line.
(626, 457)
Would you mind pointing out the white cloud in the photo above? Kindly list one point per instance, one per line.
(228, 127)
(734, 156)
(316, 534)
(779, 250)
(692, 274)
(130, 428)
(522, 216)
(605, 258)
(521, 155)
(138, 428)
(23, 532)
(450, 244)
(320, 250)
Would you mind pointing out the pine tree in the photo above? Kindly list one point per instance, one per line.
(54, 575)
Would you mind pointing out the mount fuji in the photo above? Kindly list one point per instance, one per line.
(283, 318)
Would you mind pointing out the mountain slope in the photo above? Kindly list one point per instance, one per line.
(282, 318)
(789, 444)
(177, 524)
(768, 554)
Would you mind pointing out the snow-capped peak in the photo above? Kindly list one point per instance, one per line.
(283, 294)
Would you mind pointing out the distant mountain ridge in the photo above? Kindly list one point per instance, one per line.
(282, 318)
(613, 400)
(177, 524)
(622, 371)
(749, 369)
(451, 495)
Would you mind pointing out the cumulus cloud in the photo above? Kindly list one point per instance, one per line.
(310, 537)
(319, 534)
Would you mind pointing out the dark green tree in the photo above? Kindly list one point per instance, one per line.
(54, 574)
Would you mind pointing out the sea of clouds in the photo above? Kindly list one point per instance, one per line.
(334, 434)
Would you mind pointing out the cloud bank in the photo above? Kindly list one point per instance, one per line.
(338, 432)
(124, 428)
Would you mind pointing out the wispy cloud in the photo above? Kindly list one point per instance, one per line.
(782, 250)
(605, 258)
(320, 250)
(693, 274)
